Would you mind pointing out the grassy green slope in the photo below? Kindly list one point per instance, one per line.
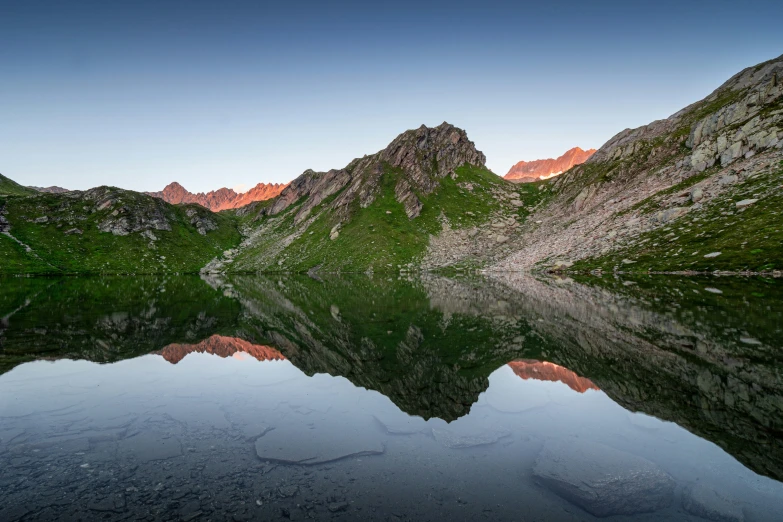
(11, 188)
(381, 236)
(52, 250)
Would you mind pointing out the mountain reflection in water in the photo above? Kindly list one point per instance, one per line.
(362, 398)
(221, 346)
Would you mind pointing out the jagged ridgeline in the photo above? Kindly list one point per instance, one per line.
(106, 230)
(699, 191)
(385, 211)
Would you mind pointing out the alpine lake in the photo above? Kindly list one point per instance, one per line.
(391, 398)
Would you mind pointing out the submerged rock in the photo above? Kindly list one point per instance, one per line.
(601, 480)
(319, 444)
(455, 440)
(705, 502)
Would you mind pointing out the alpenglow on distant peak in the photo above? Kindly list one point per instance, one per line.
(529, 171)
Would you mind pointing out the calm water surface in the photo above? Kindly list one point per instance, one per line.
(356, 398)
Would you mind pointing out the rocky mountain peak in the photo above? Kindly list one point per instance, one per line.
(528, 171)
(420, 158)
(221, 199)
(432, 151)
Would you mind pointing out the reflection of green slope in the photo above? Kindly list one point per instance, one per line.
(107, 230)
(106, 319)
(666, 351)
(381, 335)
(430, 344)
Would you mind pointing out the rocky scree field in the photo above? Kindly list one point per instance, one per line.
(106, 230)
(425, 201)
(699, 191)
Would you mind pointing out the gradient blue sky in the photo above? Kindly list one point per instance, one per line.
(138, 94)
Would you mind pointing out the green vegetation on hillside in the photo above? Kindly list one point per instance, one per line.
(747, 239)
(106, 319)
(11, 188)
(61, 234)
(380, 236)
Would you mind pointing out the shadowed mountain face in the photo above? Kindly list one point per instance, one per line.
(667, 347)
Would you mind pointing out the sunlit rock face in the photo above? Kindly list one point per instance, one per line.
(547, 371)
(221, 199)
(222, 347)
(528, 171)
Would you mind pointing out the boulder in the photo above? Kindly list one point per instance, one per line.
(745, 203)
(705, 502)
(670, 214)
(601, 480)
(335, 232)
(320, 442)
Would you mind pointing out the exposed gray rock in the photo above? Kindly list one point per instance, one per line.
(420, 157)
(335, 232)
(707, 503)
(670, 214)
(601, 480)
(746, 203)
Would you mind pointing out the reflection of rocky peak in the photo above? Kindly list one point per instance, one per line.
(547, 371)
(221, 346)
(687, 366)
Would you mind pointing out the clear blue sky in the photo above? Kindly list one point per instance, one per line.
(138, 94)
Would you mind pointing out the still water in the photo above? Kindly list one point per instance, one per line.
(357, 398)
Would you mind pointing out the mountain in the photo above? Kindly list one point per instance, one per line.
(385, 211)
(529, 171)
(9, 187)
(221, 199)
(698, 191)
(547, 371)
(430, 343)
(221, 346)
(50, 190)
(106, 230)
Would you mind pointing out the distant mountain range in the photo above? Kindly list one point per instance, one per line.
(50, 190)
(529, 171)
(696, 192)
(221, 346)
(221, 199)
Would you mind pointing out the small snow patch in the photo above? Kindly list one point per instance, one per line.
(712, 254)
(713, 290)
